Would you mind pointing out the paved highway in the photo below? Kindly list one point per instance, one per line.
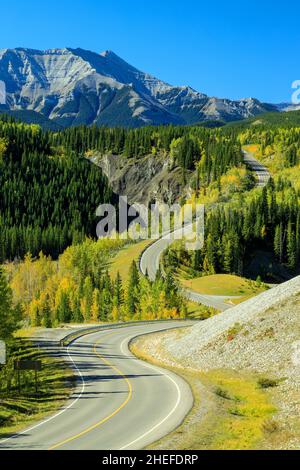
(262, 173)
(150, 260)
(120, 402)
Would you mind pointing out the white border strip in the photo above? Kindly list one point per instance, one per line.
(173, 409)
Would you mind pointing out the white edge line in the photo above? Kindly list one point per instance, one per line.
(173, 409)
(165, 237)
(14, 436)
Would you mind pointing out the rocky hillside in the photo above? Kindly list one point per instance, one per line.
(209, 331)
(260, 337)
(144, 180)
(75, 86)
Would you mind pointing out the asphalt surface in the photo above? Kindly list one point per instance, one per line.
(150, 263)
(120, 402)
(262, 173)
(150, 260)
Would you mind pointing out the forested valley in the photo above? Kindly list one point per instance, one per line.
(260, 221)
(55, 271)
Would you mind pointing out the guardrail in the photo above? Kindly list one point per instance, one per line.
(67, 340)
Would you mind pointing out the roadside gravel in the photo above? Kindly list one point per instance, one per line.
(203, 334)
(260, 336)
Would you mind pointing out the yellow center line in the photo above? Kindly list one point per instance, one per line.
(97, 425)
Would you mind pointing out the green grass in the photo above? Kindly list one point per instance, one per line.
(55, 384)
(200, 312)
(244, 410)
(223, 284)
(123, 260)
(231, 412)
(28, 332)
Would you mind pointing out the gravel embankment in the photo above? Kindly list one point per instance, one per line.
(260, 336)
(206, 332)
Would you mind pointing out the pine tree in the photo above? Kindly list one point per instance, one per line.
(210, 255)
(171, 291)
(158, 274)
(197, 260)
(228, 257)
(291, 247)
(34, 313)
(7, 317)
(96, 303)
(106, 298)
(46, 313)
(133, 290)
(118, 299)
(63, 312)
(278, 243)
(87, 298)
(76, 312)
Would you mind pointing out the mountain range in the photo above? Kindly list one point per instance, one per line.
(65, 87)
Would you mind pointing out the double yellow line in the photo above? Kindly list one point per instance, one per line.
(97, 425)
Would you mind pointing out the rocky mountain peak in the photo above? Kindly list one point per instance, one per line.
(76, 86)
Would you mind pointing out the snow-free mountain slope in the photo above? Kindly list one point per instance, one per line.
(75, 86)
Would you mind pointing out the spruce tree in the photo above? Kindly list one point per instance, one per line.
(278, 243)
(118, 292)
(106, 298)
(46, 313)
(171, 291)
(228, 257)
(291, 247)
(133, 290)
(7, 317)
(63, 312)
(96, 304)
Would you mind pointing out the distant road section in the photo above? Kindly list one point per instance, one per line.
(150, 260)
(262, 173)
(120, 402)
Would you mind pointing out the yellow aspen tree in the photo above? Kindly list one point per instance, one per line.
(95, 308)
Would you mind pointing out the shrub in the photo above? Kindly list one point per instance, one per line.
(221, 392)
(270, 426)
(236, 412)
(267, 383)
(234, 331)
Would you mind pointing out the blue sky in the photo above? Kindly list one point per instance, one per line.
(222, 48)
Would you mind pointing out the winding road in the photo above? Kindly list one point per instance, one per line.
(120, 402)
(150, 259)
(150, 262)
(262, 173)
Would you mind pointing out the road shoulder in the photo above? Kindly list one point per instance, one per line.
(56, 383)
(220, 418)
